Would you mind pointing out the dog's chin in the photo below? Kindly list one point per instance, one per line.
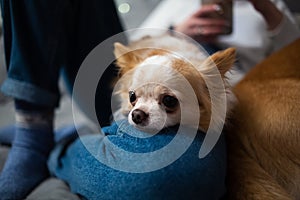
(150, 126)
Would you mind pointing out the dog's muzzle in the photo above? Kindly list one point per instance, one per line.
(139, 117)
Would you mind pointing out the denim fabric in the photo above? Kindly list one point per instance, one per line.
(41, 38)
(187, 178)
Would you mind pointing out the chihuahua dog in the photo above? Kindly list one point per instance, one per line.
(163, 82)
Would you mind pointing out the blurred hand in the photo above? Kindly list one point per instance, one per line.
(201, 27)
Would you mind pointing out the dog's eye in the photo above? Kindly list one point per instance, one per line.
(132, 96)
(169, 101)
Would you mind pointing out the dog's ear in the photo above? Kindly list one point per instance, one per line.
(120, 49)
(223, 60)
(126, 58)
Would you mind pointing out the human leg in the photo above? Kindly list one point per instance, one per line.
(31, 32)
(188, 177)
(92, 22)
(7, 134)
(26, 166)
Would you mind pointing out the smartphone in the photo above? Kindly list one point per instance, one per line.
(226, 13)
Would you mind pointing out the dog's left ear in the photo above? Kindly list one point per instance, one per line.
(223, 60)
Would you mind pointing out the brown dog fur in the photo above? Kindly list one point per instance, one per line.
(264, 137)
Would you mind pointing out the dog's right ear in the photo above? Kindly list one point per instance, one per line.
(126, 58)
(120, 49)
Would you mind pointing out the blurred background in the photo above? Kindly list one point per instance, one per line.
(132, 13)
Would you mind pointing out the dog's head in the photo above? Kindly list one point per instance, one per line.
(156, 87)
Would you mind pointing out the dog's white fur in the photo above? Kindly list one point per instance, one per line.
(166, 65)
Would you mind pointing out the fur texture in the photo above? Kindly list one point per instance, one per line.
(264, 137)
(157, 71)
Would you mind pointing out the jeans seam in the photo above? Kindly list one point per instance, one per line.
(28, 92)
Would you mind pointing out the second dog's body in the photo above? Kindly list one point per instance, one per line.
(264, 140)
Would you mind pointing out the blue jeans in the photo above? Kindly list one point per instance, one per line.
(42, 38)
(188, 177)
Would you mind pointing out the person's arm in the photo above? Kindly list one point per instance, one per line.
(280, 27)
(269, 11)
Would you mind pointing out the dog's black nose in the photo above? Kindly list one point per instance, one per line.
(138, 116)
